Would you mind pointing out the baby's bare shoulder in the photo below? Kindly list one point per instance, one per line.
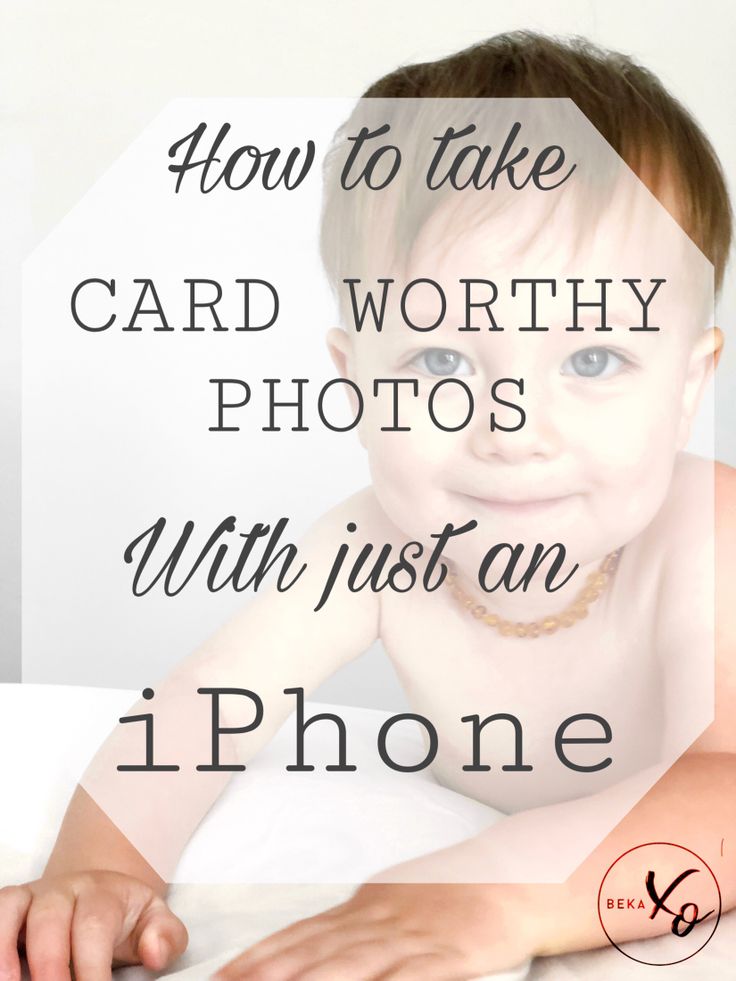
(725, 494)
(700, 523)
(721, 736)
(363, 510)
(699, 532)
(680, 547)
(701, 495)
(725, 559)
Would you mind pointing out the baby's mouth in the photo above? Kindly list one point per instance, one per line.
(519, 505)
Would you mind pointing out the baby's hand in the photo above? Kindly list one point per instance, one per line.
(402, 932)
(90, 920)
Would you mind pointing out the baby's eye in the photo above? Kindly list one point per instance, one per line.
(442, 361)
(594, 362)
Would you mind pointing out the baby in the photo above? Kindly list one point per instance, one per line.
(584, 447)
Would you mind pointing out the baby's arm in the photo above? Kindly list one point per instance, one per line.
(412, 923)
(435, 917)
(99, 900)
(694, 802)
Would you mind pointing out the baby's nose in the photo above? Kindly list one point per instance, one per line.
(499, 436)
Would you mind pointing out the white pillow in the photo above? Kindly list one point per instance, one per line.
(270, 825)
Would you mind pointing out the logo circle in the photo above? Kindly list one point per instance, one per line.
(656, 883)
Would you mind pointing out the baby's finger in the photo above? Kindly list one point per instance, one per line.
(96, 928)
(315, 952)
(298, 934)
(360, 962)
(159, 937)
(48, 923)
(305, 934)
(425, 967)
(14, 903)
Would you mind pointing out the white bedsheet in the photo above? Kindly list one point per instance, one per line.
(225, 918)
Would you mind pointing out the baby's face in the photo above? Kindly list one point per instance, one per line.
(606, 412)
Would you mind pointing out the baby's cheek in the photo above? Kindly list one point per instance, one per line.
(399, 470)
(618, 436)
(632, 476)
(408, 482)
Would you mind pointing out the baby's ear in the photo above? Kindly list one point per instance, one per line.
(340, 346)
(703, 362)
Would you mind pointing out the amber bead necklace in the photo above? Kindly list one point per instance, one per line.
(577, 610)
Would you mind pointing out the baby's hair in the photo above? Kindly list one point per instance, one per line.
(628, 105)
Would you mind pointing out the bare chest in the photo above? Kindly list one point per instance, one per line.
(568, 714)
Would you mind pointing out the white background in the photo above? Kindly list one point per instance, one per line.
(81, 80)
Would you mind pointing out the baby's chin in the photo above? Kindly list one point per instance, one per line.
(491, 547)
(467, 537)
(491, 522)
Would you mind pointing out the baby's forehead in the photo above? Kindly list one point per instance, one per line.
(493, 273)
(602, 221)
(619, 229)
(516, 242)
